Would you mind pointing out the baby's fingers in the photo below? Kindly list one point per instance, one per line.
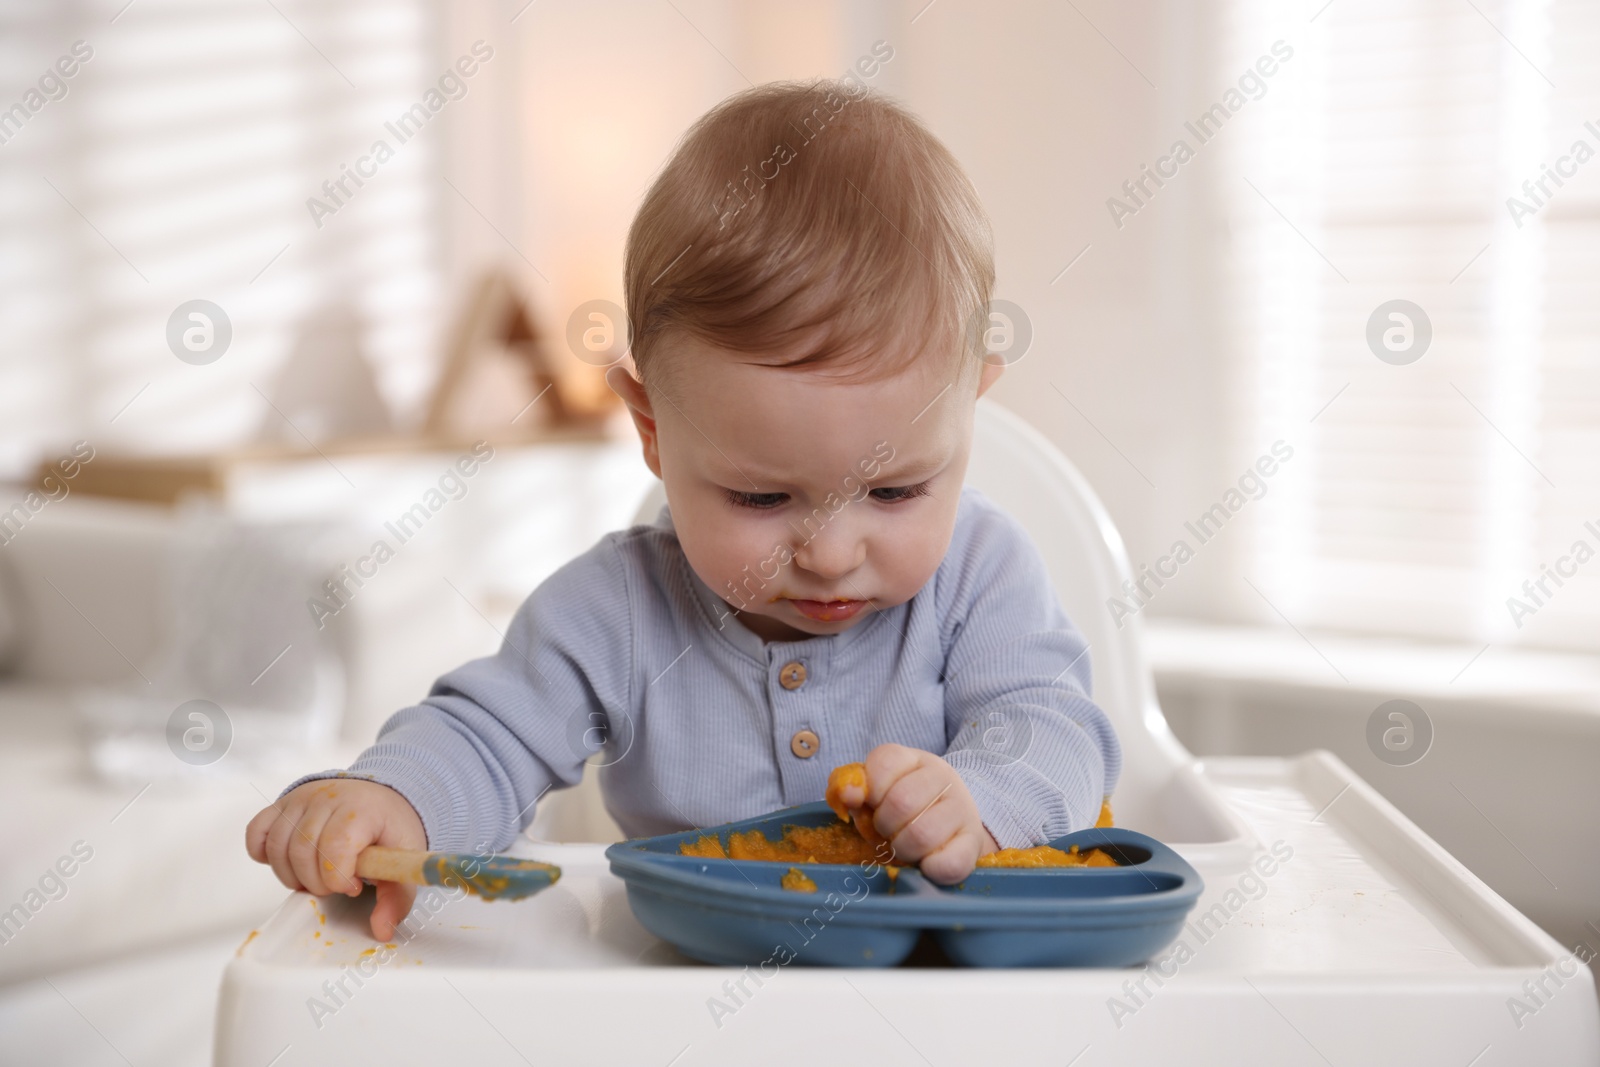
(886, 765)
(277, 843)
(394, 904)
(304, 855)
(953, 861)
(345, 835)
(920, 805)
(255, 834)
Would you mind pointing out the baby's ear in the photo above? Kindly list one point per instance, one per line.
(633, 394)
(989, 375)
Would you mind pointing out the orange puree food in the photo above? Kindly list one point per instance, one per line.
(795, 880)
(1045, 856)
(844, 776)
(838, 843)
(707, 848)
(855, 840)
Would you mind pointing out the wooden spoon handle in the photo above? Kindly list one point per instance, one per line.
(392, 865)
(492, 877)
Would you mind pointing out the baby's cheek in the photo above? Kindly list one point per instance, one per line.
(720, 552)
(910, 556)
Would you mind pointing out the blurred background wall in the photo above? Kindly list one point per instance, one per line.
(1172, 343)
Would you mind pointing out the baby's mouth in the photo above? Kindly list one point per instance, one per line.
(828, 610)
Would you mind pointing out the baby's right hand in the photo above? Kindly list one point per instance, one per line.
(312, 835)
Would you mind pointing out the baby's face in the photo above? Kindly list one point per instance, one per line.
(807, 503)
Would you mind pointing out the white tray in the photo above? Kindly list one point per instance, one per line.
(1368, 946)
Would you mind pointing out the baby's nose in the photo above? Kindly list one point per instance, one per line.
(832, 554)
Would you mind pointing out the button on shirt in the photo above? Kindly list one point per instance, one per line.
(626, 650)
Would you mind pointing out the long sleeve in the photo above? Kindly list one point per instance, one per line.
(1036, 752)
(495, 734)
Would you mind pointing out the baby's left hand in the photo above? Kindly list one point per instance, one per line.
(923, 807)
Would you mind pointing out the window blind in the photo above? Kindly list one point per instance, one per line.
(1425, 494)
(177, 165)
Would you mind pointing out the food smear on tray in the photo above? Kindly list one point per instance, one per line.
(795, 881)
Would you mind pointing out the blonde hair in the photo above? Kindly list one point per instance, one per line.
(810, 224)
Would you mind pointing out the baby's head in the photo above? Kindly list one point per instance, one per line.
(807, 283)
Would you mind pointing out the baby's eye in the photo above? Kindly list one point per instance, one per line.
(895, 494)
(755, 500)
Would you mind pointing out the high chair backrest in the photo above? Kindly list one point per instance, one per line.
(1025, 474)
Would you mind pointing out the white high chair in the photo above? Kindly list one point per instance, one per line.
(1332, 930)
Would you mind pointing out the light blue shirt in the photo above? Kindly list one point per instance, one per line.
(626, 652)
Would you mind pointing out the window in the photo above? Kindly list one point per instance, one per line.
(176, 163)
(1424, 493)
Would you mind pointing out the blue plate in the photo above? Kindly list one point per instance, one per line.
(735, 912)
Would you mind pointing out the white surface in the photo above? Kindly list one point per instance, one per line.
(1516, 740)
(156, 1008)
(1368, 946)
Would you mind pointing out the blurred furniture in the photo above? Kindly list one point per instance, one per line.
(83, 582)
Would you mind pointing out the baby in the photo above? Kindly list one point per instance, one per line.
(808, 284)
